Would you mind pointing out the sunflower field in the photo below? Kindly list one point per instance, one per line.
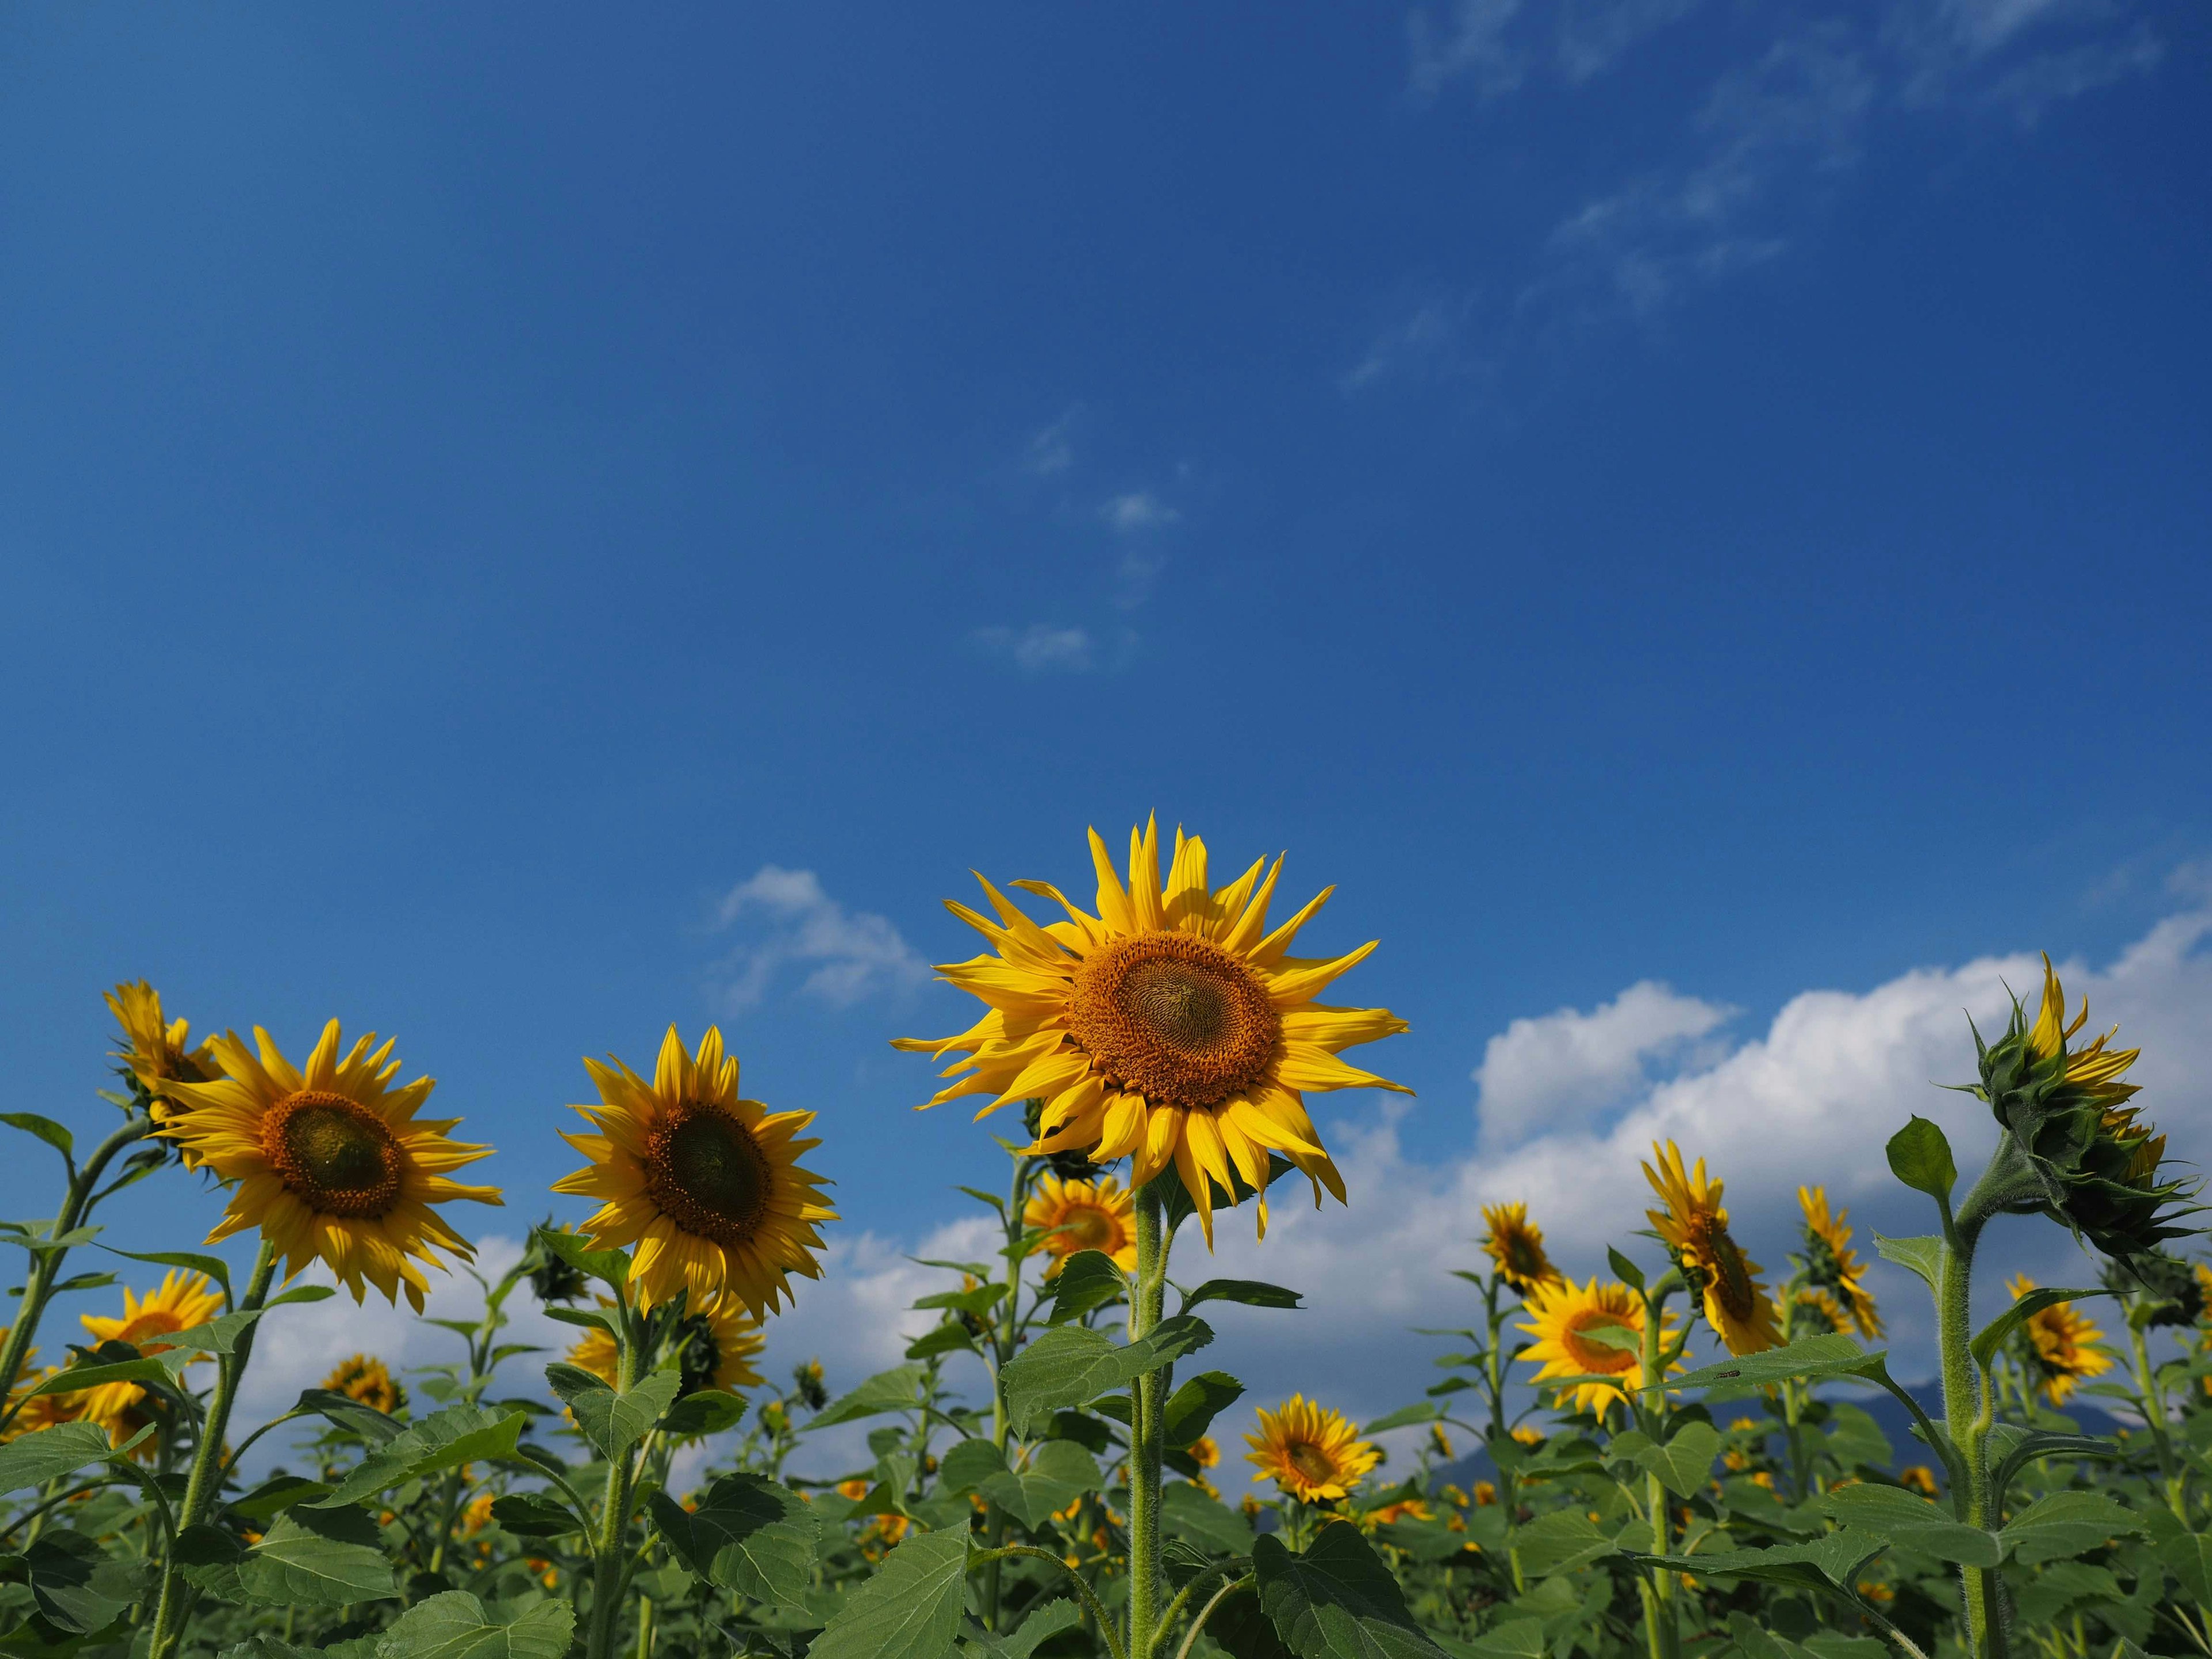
(1668, 1453)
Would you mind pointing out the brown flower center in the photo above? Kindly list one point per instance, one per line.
(1175, 1019)
(1310, 1461)
(707, 1173)
(337, 1156)
(1724, 1260)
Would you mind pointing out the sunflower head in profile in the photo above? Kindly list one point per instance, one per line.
(1832, 1264)
(1309, 1451)
(1172, 1027)
(329, 1161)
(1813, 1311)
(1085, 1215)
(707, 1186)
(1561, 1316)
(1695, 1227)
(716, 1349)
(181, 1301)
(42, 1411)
(2093, 1164)
(1517, 1245)
(2058, 1345)
(367, 1381)
(161, 1051)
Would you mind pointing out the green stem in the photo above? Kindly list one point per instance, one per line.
(1083, 1592)
(205, 1481)
(1004, 1335)
(46, 1265)
(2154, 1410)
(1190, 1638)
(1967, 1415)
(1665, 1629)
(609, 1568)
(1148, 1431)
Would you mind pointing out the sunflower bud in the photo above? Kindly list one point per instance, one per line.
(806, 1378)
(552, 1280)
(2167, 1291)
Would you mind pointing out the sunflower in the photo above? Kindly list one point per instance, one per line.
(1205, 1451)
(1559, 1314)
(1830, 1261)
(160, 1051)
(1696, 1230)
(179, 1303)
(40, 1411)
(1309, 1451)
(367, 1379)
(1517, 1245)
(331, 1163)
(1813, 1312)
(706, 1185)
(2061, 1346)
(1087, 1215)
(1171, 1028)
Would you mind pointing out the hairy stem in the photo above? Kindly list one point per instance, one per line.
(1147, 1439)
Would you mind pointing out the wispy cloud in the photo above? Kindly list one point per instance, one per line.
(1138, 511)
(1596, 34)
(1041, 648)
(1469, 44)
(792, 923)
(1429, 340)
(1052, 449)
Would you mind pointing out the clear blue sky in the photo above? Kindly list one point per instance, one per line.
(1704, 492)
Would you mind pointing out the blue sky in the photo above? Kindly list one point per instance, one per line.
(1652, 491)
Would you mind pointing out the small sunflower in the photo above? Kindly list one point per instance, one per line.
(2061, 1349)
(1088, 1215)
(1695, 1227)
(1813, 1312)
(179, 1303)
(715, 1350)
(160, 1051)
(1559, 1314)
(1517, 1245)
(331, 1163)
(707, 1186)
(1831, 1262)
(1309, 1451)
(1171, 1028)
(366, 1379)
(1205, 1451)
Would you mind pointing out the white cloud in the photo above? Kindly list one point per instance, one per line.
(1052, 450)
(1557, 1071)
(1042, 648)
(1472, 44)
(1425, 341)
(849, 955)
(1137, 512)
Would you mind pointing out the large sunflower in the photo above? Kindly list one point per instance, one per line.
(706, 1185)
(1517, 1245)
(1830, 1261)
(2061, 1349)
(1171, 1028)
(179, 1303)
(1085, 1215)
(1559, 1313)
(160, 1051)
(1696, 1230)
(1309, 1451)
(330, 1162)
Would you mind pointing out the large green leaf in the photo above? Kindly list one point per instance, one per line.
(445, 1440)
(370, 1424)
(455, 1625)
(1059, 1472)
(1685, 1464)
(2066, 1524)
(36, 1458)
(1071, 1365)
(1920, 1156)
(1427, 1412)
(45, 1128)
(614, 1422)
(893, 1390)
(909, 1610)
(1337, 1600)
(1188, 1513)
(967, 1464)
(534, 1514)
(703, 1412)
(317, 1558)
(1049, 1619)
(2188, 1556)
(1828, 1563)
(1904, 1518)
(1814, 1357)
(219, 1335)
(611, 1267)
(1252, 1292)
(78, 1586)
(1924, 1256)
(1087, 1280)
(210, 1558)
(748, 1535)
(1196, 1402)
(1561, 1541)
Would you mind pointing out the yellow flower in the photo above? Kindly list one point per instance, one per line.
(880, 1534)
(2096, 1071)
(855, 1489)
(2063, 1343)
(1089, 1215)
(707, 1186)
(367, 1379)
(1309, 1451)
(179, 1303)
(1486, 1494)
(714, 1350)
(1442, 1443)
(1205, 1451)
(1410, 1509)
(330, 1162)
(161, 1051)
(1559, 1316)
(1517, 1245)
(475, 1514)
(1832, 1262)
(1171, 1028)
(1533, 1438)
(1917, 1477)
(1696, 1229)
(41, 1411)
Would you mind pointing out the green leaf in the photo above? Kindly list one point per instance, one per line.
(455, 1625)
(614, 1422)
(317, 1558)
(44, 1127)
(978, 1300)
(371, 1425)
(1992, 1335)
(1624, 1269)
(534, 1514)
(1059, 1472)
(1828, 1563)
(1427, 1412)
(1088, 1280)
(2188, 1556)
(1754, 1641)
(1189, 1514)
(2065, 1524)
(1516, 1638)
(1920, 1156)
(302, 1293)
(1337, 1600)
(33, 1459)
(275, 1495)
(609, 1266)
(1251, 1292)
(91, 1377)
(1193, 1407)
(945, 1339)
(909, 1610)
(1685, 1464)
(1619, 1338)
(209, 1557)
(967, 1464)
(79, 1587)
(198, 1262)
(749, 1534)
(1069, 1366)
(703, 1412)
(1049, 1619)
(218, 1335)
(455, 1436)
(886, 1391)
(1904, 1518)
(1561, 1542)
(1814, 1357)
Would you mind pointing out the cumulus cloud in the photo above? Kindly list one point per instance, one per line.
(847, 955)
(1042, 648)
(1557, 1071)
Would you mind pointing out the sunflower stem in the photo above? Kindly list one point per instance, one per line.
(609, 1569)
(1666, 1628)
(1965, 1416)
(205, 1479)
(1147, 1439)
